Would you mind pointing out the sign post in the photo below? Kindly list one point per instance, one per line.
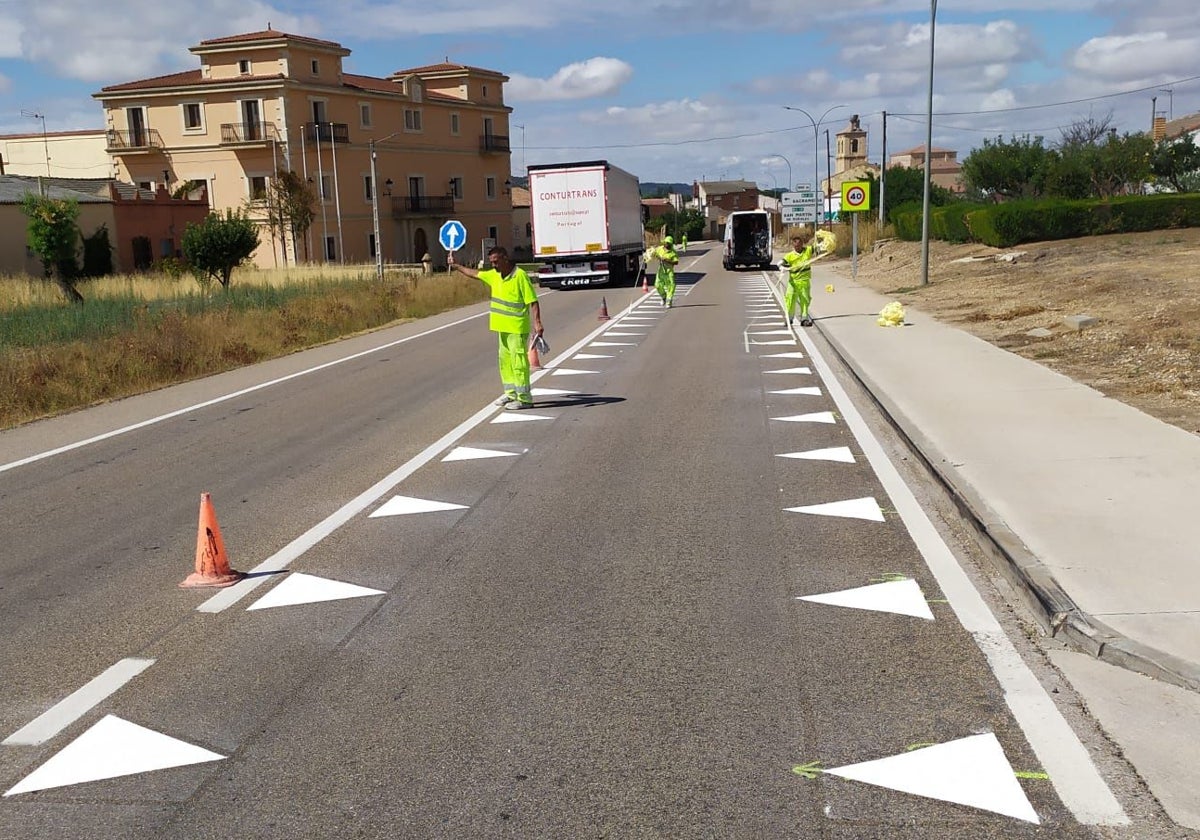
(855, 200)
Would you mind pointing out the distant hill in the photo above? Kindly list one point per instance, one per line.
(654, 189)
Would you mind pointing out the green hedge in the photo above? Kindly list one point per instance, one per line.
(1014, 222)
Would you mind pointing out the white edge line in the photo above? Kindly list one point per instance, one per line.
(1059, 750)
(77, 704)
(225, 397)
(283, 558)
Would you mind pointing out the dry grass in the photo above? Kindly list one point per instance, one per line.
(149, 331)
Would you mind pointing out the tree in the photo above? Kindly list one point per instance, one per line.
(1177, 162)
(219, 244)
(291, 203)
(1087, 132)
(52, 234)
(1013, 169)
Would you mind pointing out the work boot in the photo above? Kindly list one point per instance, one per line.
(806, 321)
(518, 405)
(505, 400)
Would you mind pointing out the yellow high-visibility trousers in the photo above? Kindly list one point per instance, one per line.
(514, 366)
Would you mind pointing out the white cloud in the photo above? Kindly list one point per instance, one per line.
(5, 83)
(598, 76)
(1148, 54)
(129, 39)
(10, 36)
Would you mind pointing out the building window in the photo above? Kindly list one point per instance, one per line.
(371, 245)
(330, 247)
(368, 188)
(315, 66)
(193, 116)
(493, 232)
(454, 123)
(456, 187)
(327, 188)
(412, 119)
(148, 186)
(364, 114)
(244, 67)
(166, 247)
(258, 187)
(485, 91)
(854, 146)
(491, 186)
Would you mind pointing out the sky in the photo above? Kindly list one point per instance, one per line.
(671, 90)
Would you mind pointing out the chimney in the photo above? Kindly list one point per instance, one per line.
(1160, 128)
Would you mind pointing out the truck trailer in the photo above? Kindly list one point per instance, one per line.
(587, 224)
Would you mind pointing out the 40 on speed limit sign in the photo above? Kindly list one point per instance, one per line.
(856, 196)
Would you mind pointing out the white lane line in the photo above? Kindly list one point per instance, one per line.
(1063, 757)
(75, 705)
(286, 555)
(226, 397)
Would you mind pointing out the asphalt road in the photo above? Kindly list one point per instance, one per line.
(603, 638)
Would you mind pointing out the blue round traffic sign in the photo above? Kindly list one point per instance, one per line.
(452, 235)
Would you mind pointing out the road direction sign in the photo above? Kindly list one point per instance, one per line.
(792, 199)
(452, 235)
(799, 214)
(856, 196)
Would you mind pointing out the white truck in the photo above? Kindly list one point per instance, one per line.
(587, 224)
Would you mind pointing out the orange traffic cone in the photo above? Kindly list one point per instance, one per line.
(603, 316)
(535, 360)
(212, 565)
(645, 282)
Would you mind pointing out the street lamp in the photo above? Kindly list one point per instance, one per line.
(791, 186)
(816, 154)
(928, 154)
(45, 142)
(375, 203)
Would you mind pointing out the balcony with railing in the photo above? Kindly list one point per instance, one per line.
(135, 140)
(325, 132)
(421, 205)
(494, 143)
(249, 133)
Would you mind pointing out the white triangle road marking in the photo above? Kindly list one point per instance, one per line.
(812, 391)
(470, 453)
(551, 392)
(790, 370)
(299, 588)
(572, 372)
(772, 332)
(864, 508)
(779, 341)
(613, 344)
(112, 747)
(903, 597)
(971, 771)
(519, 417)
(590, 356)
(405, 505)
(624, 334)
(836, 453)
(790, 355)
(815, 417)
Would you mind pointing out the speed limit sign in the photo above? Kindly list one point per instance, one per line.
(855, 196)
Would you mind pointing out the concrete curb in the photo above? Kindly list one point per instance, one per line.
(1041, 594)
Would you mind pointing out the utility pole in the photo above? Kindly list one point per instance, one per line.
(45, 142)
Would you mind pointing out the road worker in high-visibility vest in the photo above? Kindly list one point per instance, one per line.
(664, 280)
(514, 303)
(799, 264)
(683, 244)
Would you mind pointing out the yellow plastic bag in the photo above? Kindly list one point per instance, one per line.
(826, 241)
(829, 288)
(891, 315)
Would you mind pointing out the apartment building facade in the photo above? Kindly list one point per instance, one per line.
(269, 100)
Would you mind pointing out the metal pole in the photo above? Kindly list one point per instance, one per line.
(828, 184)
(928, 153)
(883, 173)
(321, 192)
(337, 197)
(375, 213)
(304, 167)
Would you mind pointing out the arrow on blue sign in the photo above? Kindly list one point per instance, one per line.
(452, 235)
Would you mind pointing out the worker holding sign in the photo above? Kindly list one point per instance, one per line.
(514, 303)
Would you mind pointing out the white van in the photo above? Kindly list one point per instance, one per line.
(748, 239)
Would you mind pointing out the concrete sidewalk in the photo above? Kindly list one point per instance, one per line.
(1088, 503)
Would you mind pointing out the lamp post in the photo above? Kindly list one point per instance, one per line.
(375, 204)
(791, 184)
(45, 142)
(816, 155)
(928, 154)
